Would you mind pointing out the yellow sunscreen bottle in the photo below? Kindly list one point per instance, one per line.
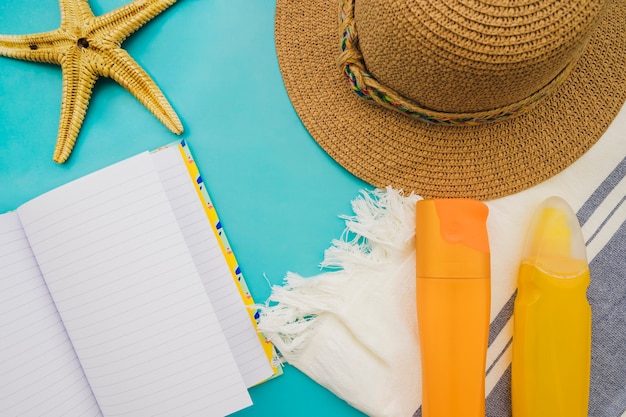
(453, 303)
(552, 318)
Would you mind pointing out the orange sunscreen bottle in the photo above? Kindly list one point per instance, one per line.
(453, 305)
(552, 330)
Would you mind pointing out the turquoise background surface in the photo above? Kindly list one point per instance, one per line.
(277, 193)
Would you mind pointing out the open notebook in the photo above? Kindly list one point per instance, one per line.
(118, 298)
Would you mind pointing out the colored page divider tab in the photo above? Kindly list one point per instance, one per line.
(231, 260)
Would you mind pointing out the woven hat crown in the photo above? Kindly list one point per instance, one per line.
(552, 73)
(466, 57)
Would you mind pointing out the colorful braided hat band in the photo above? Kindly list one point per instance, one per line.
(365, 85)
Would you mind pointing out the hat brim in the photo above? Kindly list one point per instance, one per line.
(384, 147)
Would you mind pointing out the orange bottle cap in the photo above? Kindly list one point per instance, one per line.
(451, 239)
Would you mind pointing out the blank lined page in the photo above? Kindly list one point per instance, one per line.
(128, 291)
(39, 371)
(214, 271)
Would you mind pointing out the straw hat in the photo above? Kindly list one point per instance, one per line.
(454, 98)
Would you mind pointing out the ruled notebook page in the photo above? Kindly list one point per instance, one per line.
(39, 372)
(214, 271)
(124, 283)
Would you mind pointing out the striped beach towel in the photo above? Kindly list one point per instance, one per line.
(353, 329)
(596, 188)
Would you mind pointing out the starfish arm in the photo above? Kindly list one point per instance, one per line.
(88, 47)
(74, 14)
(120, 23)
(129, 74)
(78, 81)
(46, 47)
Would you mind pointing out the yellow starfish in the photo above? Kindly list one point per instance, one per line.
(88, 47)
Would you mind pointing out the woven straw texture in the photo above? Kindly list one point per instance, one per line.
(482, 60)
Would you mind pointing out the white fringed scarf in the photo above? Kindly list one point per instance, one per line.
(354, 329)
